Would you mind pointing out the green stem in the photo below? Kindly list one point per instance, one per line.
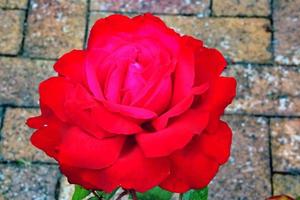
(97, 195)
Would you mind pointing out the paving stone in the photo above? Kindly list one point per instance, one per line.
(236, 38)
(66, 189)
(19, 79)
(14, 4)
(32, 182)
(241, 8)
(286, 184)
(15, 137)
(266, 90)
(247, 174)
(200, 7)
(285, 144)
(286, 22)
(11, 30)
(55, 27)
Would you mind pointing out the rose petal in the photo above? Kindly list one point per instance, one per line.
(209, 65)
(220, 94)
(179, 108)
(217, 145)
(132, 170)
(190, 169)
(79, 149)
(53, 94)
(71, 65)
(48, 136)
(175, 136)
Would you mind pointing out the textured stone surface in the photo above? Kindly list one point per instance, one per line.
(11, 30)
(19, 79)
(286, 184)
(15, 137)
(244, 7)
(14, 4)
(31, 182)
(200, 7)
(266, 90)
(285, 144)
(287, 22)
(236, 38)
(55, 27)
(66, 189)
(247, 174)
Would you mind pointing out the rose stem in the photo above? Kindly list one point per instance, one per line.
(97, 195)
(122, 195)
(133, 193)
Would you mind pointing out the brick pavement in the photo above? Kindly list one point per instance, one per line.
(260, 39)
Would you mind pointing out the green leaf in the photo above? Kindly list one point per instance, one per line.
(107, 196)
(298, 198)
(155, 193)
(80, 193)
(93, 198)
(196, 194)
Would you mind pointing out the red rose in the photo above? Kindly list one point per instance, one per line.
(140, 107)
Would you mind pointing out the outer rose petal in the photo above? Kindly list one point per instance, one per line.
(106, 28)
(174, 137)
(209, 65)
(79, 149)
(71, 65)
(216, 145)
(132, 170)
(53, 94)
(190, 169)
(47, 137)
(219, 96)
(60, 96)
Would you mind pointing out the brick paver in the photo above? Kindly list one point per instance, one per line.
(260, 41)
(14, 4)
(15, 137)
(55, 27)
(241, 7)
(247, 174)
(11, 29)
(20, 78)
(199, 7)
(286, 22)
(266, 90)
(28, 182)
(285, 144)
(286, 184)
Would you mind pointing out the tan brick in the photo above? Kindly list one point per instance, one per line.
(22, 4)
(55, 27)
(31, 182)
(265, 90)
(2, 5)
(15, 143)
(286, 184)
(241, 8)
(287, 22)
(285, 144)
(11, 31)
(247, 173)
(19, 80)
(236, 38)
(200, 7)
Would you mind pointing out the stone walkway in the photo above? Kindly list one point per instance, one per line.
(260, 40)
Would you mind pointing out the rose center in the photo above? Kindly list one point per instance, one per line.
(134, 82)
